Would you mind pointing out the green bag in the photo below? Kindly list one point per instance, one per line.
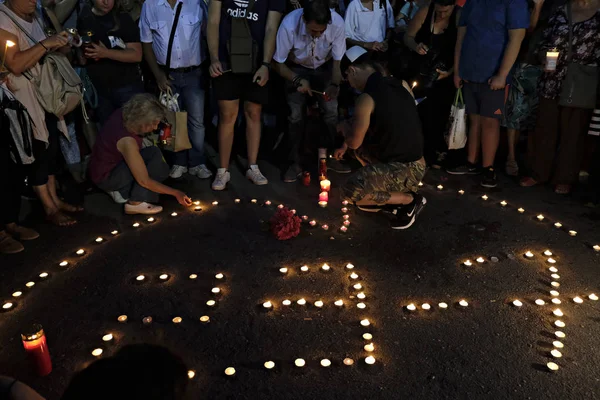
(243, 50)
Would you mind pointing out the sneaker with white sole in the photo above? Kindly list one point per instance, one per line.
(405, 216)
(254, 175)
(142, 208)
(177, 171)
(220, 182)
(200, 171)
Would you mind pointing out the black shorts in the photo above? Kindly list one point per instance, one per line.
(46, 154)
(480, 99)
(230, 86)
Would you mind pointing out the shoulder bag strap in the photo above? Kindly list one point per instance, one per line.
(19, 25)
(172, 37)
(570, 19)
(54, 19)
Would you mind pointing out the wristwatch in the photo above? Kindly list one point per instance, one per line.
(266, 64)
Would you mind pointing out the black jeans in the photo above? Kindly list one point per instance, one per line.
(47, 155)
(12, 180)
(122, 180)
(434, 112)
(111, 99)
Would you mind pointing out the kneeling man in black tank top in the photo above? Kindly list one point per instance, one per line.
(386, 138)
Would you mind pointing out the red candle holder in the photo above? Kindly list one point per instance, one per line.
(34, 342)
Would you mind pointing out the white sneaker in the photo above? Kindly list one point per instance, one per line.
(142, 208)
(200, 171)
(117, 197)
(220, 182)
(177, 171)
(256, 176)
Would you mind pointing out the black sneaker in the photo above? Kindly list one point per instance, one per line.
(372, 209)
(440, 160)
(338, 166)
(489, 179)
(405, 216)
(467, 169)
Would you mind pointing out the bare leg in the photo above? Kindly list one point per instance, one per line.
(59, 203)
(395, 198)
(50, 207)
(513, 138)
(228, 112)
(473, 143)
(252, 112)
(490, 138)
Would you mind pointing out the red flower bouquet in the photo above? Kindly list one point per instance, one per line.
(285, 224)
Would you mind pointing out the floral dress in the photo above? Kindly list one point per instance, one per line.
(585, 50)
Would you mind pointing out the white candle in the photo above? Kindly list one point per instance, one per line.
(463, 303)
(369, 347)
(596, 247)
(204, 318)
(555, 284)
(426, 306)
(339, 303)
(325, 363)
(440, 187)
(7, 306)
(318, 304)
(551, 60)
(99, 239)
(367, 336)
(521, 210)
(357, 286)
(215, 203)
(354, 275)
(301, 302)
(461, 192)
(553, 269)
(552, 366)
(197, 208)
(108, 337)
(229, 371)
(344, 229)
(304, 268)
(555, 276)
(114, 233)
(593, 297)
(283, 270)
(211, 303)
(540, 302)
(443, 305)
(517, 303)
(573, 233)
(560, 334)
(344, 210)
(280, 206)
(346, 217)
(411, 307)
(253, 201)
(540, 217)
(177, 320)
(219, 276)
(362, 306)
(558, 312)
(30, 284)
(122, 318)
(547, 253)
(484, 197)
(349, 266)
(267, 203)
(216, 290)
(299, 362)
(163, 277)
(97, 352)
(503, 203)
(370, 360)
(197, 202)
(267, 304)
(529, 254)
(468, 263)
(551, 260)
(136, 225)
(237, 201)
(558, 224)
(313, 223)
(80, 252)
(480, 260)
(286, 302)
(191, 374)
(193, 276)
(173, 214)
(269, 365)
(556, 301)
(17, 294)
(420, 184)
(365, 322)
(554, 293)
(151, 219)
(345, 202)
(556, 354)
(557, 344)
(325, 267)
(361, 295)
(348, 361)
(64, 263)
(140, 278)
(147, 320)
(44, 275)
(559, 323)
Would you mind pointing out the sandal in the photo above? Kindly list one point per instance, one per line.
(562, 189)
(512, 168)
(22, 232)
(528, 182)
(60, 219)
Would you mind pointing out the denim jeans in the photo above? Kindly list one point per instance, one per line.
(112, 99)
(191, 99)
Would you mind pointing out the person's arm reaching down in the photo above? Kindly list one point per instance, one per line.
(146, 37)
(362, 118)
(460, 37)
(284, 44)
(261, 77)
(212, 36)
(515, 37)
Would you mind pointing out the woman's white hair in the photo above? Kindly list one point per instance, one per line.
(142, 109)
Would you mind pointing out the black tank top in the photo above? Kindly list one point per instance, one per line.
(397, 133)
(444, 42)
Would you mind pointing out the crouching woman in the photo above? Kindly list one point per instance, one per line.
(126, 171)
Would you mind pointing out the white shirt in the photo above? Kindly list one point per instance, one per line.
(295, 43)
(368, 26)
(156, 21)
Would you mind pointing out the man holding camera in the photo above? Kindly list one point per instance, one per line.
(310, 45)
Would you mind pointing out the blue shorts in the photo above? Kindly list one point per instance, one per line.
(480, 99)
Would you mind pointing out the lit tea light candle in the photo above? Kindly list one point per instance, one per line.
(345, 202)
(304, 268)
(559, 323)
(325, 227)
(325, 363)
(468, 263)
(503, 203)
(216, 290)
(269, 365)
(193, 276)
(463, 303)
(318, 304)
(555, 284)
(553, 269)
(114, 233)
(362, 306)
(267, 304)
(365, 322)
(325, 267)
(573, 233)
(370, 360)
(593, 297)
(299, 362)
(560, 334)
(547, 253)
(253, 201)
(484, 197)
(517, 303)
(552, 366)
(136, 225)
(344, 229)
(596, 247)
(286, 302)
(205, 318)
(17, 294)
(353, 275)
(177, 320)
(345, 217)
(7, 306)
(440, 187)
(293, 211)
(215, 203)
(555, 276)
(197, 208)
(558, 225)
(420, 184)
(529, 254)
(361, 295)
(219, 276)
(268, 203)
(151, 219)
(140, 278)
(367, 336)
(191, 374)
(443, 305)
(122, 318)
(461, 192)
(80, 252)
(557, 344)
(44, 275)
(556, 354)
(348, 361)
(280, 206)
(540, 302)
(521, 210)
(344, 210)
(229, 371)
(540, 217)
(554, 293)
(211, 303)
(99, 239)
(480, 260)
(108, 337)
(426, 306)
(163, 277)
(237, 201)
(173, 214)
(556, 300)
(349, 266)
(551, 260)
(64, 263)
(323, 196)
(97, 352)
(197, 202)
(30, 284)
(558, 312)
(147, 320)
(369, 347)
(339, 303)
(301, 302)
(305, 218)
(577, 300)
(346, 223)
(358, 286)
(283, 270)
(313, 223)
(411, 307)
(325, 185)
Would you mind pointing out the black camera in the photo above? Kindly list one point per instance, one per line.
(429, 68)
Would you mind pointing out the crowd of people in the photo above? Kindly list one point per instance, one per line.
(526, 65)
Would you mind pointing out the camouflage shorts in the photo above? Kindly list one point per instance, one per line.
(376, 182)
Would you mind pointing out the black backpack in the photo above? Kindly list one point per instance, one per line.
(16, 122)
